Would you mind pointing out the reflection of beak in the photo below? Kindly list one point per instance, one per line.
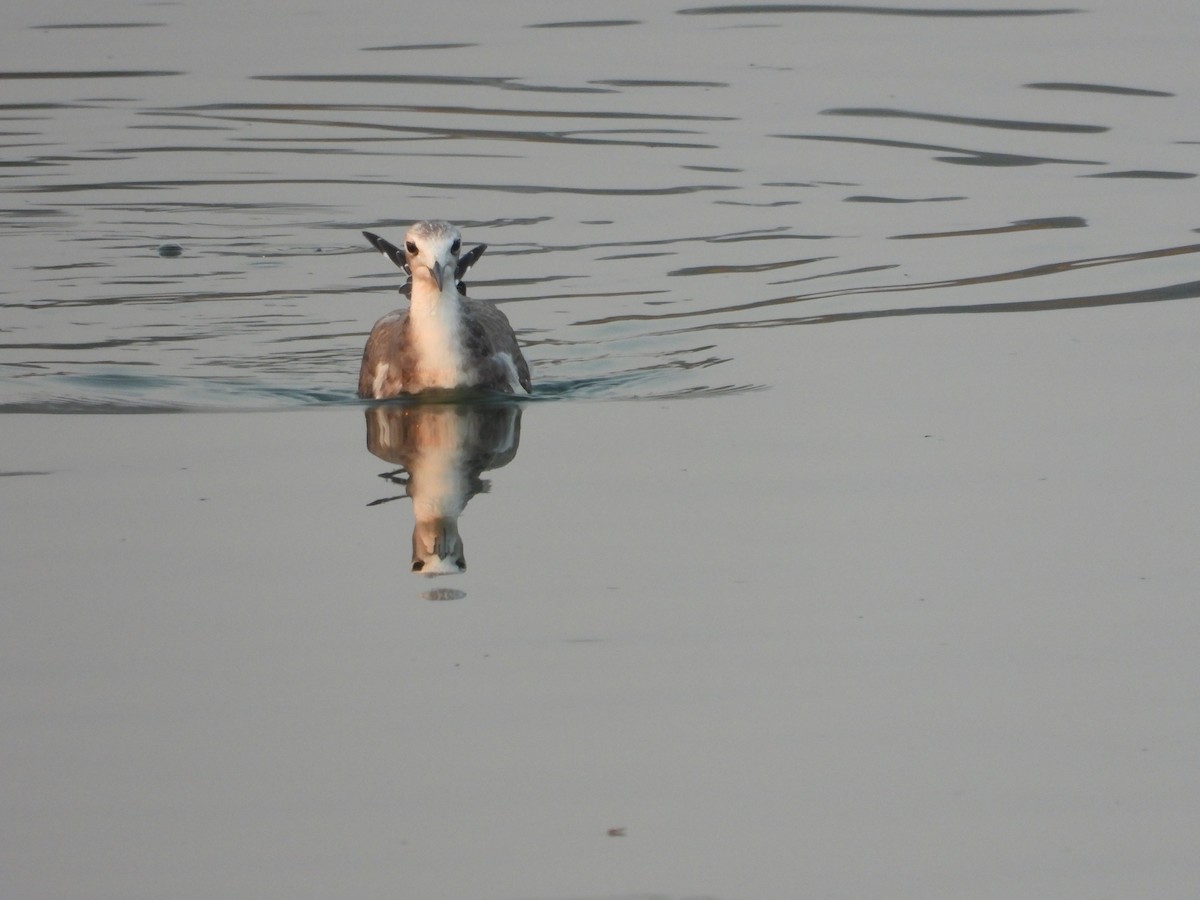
(437, 548)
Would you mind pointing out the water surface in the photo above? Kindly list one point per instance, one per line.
(699, 170)
(855, 555)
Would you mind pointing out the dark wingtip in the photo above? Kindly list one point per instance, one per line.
(467, 260)
(387, 248)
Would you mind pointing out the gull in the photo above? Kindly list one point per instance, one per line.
(444, 339)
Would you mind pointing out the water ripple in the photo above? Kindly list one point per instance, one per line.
(650, 207)
(1006, 124)
(88, 74)
(1096, 89)
(962, 156)
(853, 9)
(468, 81)
(1182, 291)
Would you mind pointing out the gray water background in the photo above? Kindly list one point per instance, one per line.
(872, 574)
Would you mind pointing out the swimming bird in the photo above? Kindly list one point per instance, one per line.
(444, 339)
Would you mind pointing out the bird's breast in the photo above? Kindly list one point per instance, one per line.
(437, 339)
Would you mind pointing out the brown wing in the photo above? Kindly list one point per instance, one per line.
(385, 362)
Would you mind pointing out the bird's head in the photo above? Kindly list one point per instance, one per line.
(431, 250)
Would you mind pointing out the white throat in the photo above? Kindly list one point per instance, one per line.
(436, 322)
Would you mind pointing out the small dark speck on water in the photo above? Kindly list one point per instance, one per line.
(170, 249)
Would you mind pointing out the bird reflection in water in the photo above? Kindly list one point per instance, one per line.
(442, 449)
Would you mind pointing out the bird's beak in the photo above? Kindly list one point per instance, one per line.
(437, 272)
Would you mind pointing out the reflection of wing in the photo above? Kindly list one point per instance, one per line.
(481, 437)
(497, 436)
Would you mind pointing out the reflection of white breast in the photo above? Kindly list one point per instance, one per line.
(438, 476)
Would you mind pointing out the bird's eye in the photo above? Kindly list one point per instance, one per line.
(411, 248)
(418, 565)
(456, 246)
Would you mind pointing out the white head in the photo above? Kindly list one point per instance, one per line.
(431, 250)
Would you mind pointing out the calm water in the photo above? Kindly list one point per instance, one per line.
(885, 587)
(649, 183)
